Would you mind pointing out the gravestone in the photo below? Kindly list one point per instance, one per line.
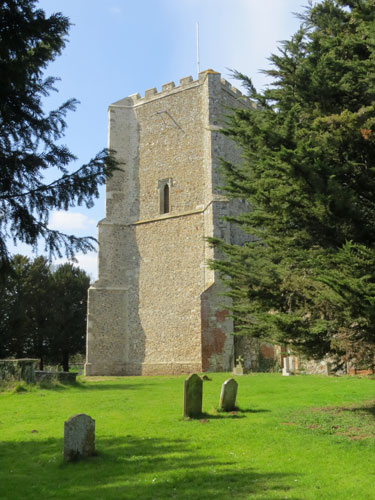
(286, 371)
(292, 364)
(238, 368)
(79, 437)
(193, 389)
(228, 395)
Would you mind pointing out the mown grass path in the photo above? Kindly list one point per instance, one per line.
(279, 445)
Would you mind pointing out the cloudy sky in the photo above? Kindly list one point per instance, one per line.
(119, 47)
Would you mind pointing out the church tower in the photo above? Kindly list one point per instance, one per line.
(156, 307)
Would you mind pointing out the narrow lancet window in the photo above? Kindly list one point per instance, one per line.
(166, 199)
(164, 188)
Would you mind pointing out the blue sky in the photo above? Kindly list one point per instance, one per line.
(119, 47)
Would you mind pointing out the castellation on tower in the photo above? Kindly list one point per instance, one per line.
(157, 308)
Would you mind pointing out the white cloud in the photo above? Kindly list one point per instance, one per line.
(70, 221)
(88, 262)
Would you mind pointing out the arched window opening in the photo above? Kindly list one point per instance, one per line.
(166, 199)
(164, 188)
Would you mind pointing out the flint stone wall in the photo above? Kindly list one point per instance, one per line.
(314, 367)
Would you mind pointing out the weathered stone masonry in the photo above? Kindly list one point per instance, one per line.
(156, 307)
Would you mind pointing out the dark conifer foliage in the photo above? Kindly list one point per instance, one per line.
(69, 289)
(307, 277)
(29, 136)
(43, 311)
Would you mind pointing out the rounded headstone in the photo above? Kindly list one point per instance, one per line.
(193, 390)
(228, 395)
(79, 437)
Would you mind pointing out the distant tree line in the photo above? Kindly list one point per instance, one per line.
(43, 311)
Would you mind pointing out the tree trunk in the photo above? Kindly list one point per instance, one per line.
(65, 361)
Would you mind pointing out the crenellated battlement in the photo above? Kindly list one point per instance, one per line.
(186, 82)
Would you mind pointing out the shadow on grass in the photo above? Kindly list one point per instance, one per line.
(368, 408)
(51, 386)
(58, 387)
(20, 388)
(102, 386)
(220, 415)
(252, 410)
(236, 413)
(130, 468)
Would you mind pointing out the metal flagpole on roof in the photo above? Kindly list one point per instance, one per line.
(197, 30)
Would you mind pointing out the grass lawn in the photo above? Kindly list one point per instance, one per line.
(303, 437)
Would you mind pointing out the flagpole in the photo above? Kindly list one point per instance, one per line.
(197, 31)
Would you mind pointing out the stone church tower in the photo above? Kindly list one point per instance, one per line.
(157, 308)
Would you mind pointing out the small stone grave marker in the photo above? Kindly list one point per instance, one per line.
(79, 437)
(286, 371)
(193, 390)
(228, 395)
(238, 369)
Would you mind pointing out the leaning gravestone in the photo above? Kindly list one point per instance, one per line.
(79, 437)
(228, 395)
(193, 389)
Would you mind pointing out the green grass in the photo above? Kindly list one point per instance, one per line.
(304, 437)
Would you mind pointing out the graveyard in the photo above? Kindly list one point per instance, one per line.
(301, 437)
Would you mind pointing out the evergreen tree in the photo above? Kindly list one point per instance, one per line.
(13, 298)
(43, 312)
(25, 316)
(69, 289)
(307, 276)
(29, 137)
